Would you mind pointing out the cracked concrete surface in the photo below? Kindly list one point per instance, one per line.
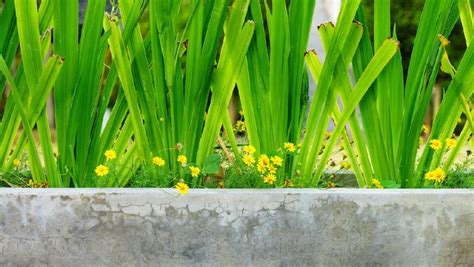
(141, 227)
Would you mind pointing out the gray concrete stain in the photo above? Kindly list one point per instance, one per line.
(236, 227)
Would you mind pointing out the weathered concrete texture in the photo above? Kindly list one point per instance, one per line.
(128, 227)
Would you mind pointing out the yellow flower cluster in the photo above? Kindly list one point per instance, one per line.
(103, 170)
(268, 167)
(437, 144)
(248, 158)
(436, 176)
(376, 183)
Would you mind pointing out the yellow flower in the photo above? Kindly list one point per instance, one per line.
(290, 147)
(110, 154)
(451, 143)
(269, 179)
(183, 160)
(240, 126)
(264, 159)
(425, 129)
(102, 170)
(182, 188)
(377, 183)
(436, 176)
(440, 175)
(345, 165)
(429, 176)
(195, 171)
(435, 144)
(248, 160)
(261, 167)
(277, 160)
(271, 169)
(16, 162)
(158, 161)
(249, 149)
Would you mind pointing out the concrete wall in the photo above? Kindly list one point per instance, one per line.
(126, 227)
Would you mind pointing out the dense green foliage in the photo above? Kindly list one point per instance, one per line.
(168, 89)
